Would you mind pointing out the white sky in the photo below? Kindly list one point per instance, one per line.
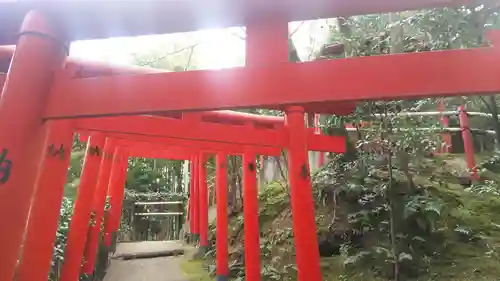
(218, 48)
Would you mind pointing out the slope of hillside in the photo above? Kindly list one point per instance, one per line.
(446, 231)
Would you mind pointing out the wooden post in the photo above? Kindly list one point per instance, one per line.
(251, 217)
(117, 182)
(39, 52)
(99, 203)
(195, 201)
(468, 142)
(189, 215)
(203, 203)
(446, 136)
(222, 220)
(303, 213)
(81, 216)
(36, 255)
(115, 190)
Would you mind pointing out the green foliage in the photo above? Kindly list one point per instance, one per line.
(194, 270)
(61, 237)
(386, 204)
(154, 175)
(62, 230)
(380, 198)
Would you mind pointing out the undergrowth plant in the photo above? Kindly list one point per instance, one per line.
(61, 238)
(383, 215)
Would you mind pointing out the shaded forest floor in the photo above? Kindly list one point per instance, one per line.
(461, 241)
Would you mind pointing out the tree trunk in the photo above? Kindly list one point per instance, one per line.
(233, 168)
(262, 174)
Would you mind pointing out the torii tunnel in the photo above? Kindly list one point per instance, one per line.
(47, 97)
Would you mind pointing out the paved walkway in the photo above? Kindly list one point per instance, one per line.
(146, 269)
(147, 247)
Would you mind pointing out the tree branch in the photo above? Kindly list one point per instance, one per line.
(296, 29)
(238, 35)
(486, 104)
(170, 54)
(189, 58)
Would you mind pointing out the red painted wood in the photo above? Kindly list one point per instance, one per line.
(83, 20)
(81, 215)
(99, 203)
(118, 184)
(193, 145)
(195, 198)
(273, 33)
(190, 145)
(302, 202)
(36, 255)
(168, 127)
(191, 196)
(77, 68)
(83, 136)
(156, 126)
(170, 154)
(203, 200)
(320, 83)
(251, 218)
(23, 135)
(115, 193)
(222, 215)
(446, 136)
(468, 142)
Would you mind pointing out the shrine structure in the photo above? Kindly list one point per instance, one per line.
(46, 97)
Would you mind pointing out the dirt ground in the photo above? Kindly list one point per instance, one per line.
(131, 248)
(155, 269)
(150, 269)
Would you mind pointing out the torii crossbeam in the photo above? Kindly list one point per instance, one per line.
(242, 135)
(83, 20)
(39, 88)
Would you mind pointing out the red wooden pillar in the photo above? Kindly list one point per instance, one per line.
(81, 215)
(203, 203)
(251, 217)
(195, 200)
(274, 35)
(222, 222)
(36, 255)
(303, 213)
(99, 203)
(39, 52)
(117, 183)
(446, 136)
(191, 198)
(115, 192)
(468, 142)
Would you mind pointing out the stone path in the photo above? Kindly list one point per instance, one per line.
(146, 247)
(146, 269)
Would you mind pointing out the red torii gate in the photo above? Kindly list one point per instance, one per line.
(149, 125)
(134, 149)
(200, 225)
(214, 132)
(184, 129)
(96, 177)
(31, 93)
